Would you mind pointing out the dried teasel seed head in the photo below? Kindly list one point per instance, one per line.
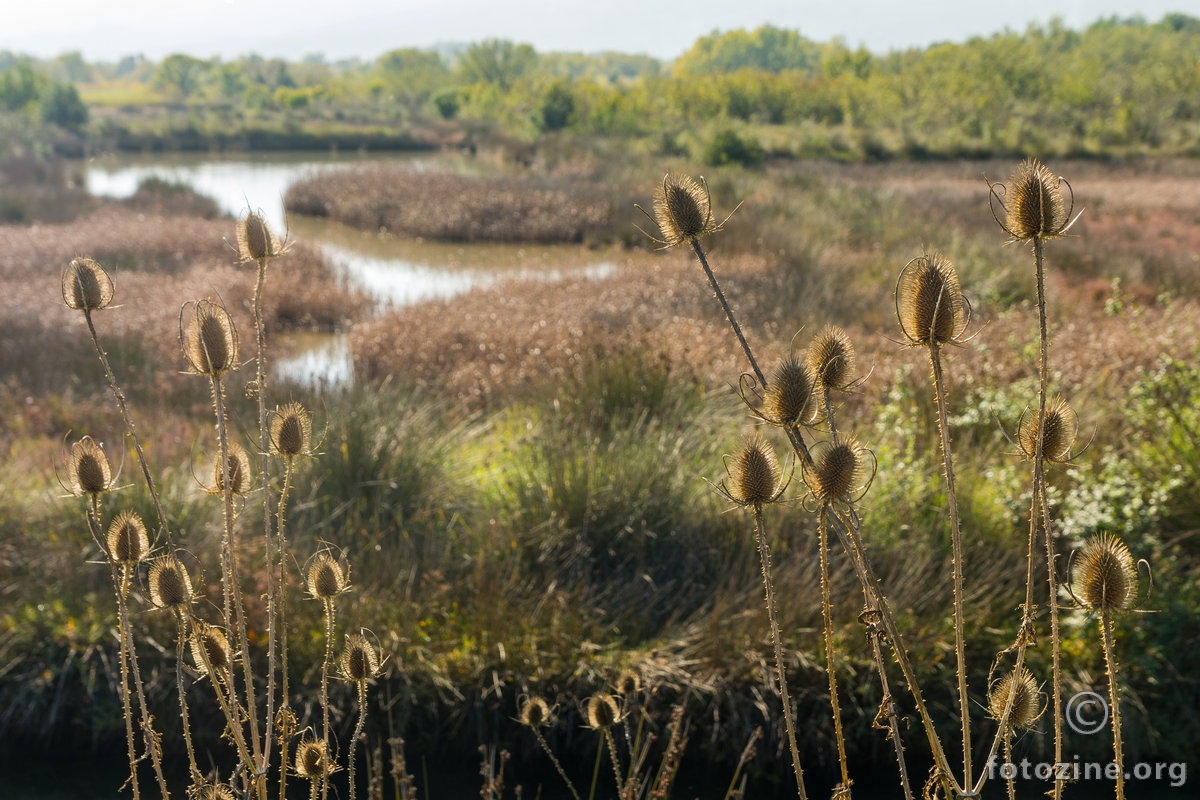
(126, 541)
(210, 341)
(325, 577)
(1034, 203)
(602, 712)
(628, 683)
(286, 722)
(312, 760)
(214, 791)
(255, 240)
(291, 431)
(1026, 699)
(929, 303)
(86, 286)
(790, 398)
(535, 713)
(753, 474)
(236, 469)
(831, 358)
(1103, 577)
(89, 471)
(359, 661)
(1061, 428)
(682, 209)
(837, 470)
(215, 649)
(170, 584)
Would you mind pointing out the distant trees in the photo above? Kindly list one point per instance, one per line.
(768, 49)
(180, 75)
(498, 62)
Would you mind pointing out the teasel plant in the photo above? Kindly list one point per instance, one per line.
(1016, 703)
(326, 578)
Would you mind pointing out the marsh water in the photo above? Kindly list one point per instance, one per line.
(395, 271)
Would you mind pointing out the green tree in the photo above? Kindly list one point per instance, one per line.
(411, 76)
(557, 107)
(181, 75)
(766, 48)
(496, 61)
(61, 105)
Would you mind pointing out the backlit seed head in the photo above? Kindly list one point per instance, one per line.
(170, 585)
(790, 398)
(215, 649)
(127, 542)
(682, 209)
(86, 286)
(285, 722)
(837, 471)
(754, 474)
(628, 683)
(831, 358)
(214, 791)
(929, 303)
(312, 760)
(210, 341)
(90, 473)
(535, 713)
(1027, 703)
(602, 712)
(325, 577)
(236, 469)
(255, 240)
(1103, 577)
(1062, 425)
(1034, 203)
(359, 661)
(291, 431)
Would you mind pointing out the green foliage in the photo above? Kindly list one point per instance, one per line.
(766, 48)
(727, 146)
(181, 75)
(448, 103)
(498, 62)
(61, 106)
(557, 107)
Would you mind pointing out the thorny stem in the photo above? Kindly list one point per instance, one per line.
(562, 773)
(184, 717)
(280, 613)
(616, 763)
(733, 323)
(764, 554)
(889, 705)
(123, 655)
(1114, 698)
(329, 615)
(830, 657)
(358, 729)
(229, 705)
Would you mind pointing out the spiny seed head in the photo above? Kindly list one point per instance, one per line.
(535, 713)
(86, 286)
(791, 397)
(236, 469)
(1026, 699)
(753, 474)
(285, 722)
(359, 661)
(255, 240)
(929, 303)
(628, 683)
(1061, 427)
(215, 649)
(215, 791)
(1103, 577)
(831, 358)
(210, 341)
(602, 711)
(682, 209)
(312, 760)
(325, 578)
(127, 542)
(90, 473)
(836, 472)
(1034, 203)
(291, 431)
(170, 585)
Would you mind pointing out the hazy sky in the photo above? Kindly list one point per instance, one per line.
(107, 29)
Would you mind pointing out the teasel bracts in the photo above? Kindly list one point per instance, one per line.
(86, 286)
(210, 340)
(1060, 430)
(831, 358)
(929, 302)
(126, 541)
(1103, 576)
(170, 584)
(1034, 204)
(682, 209)
(1027, 702)
(837, 472)
(753, 474)
(790, 398)
(89, 473)
(255, 240)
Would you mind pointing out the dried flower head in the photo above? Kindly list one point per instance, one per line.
(535, 713)
(628, 683)
(1103, 577)
(312, 760)
(602, 712)
(682, 209)
(831, 358)
(210, 648)
(1061, 428)
(235, 467)
(753, 474)
(1033, 202)
(255, 240)
(1027, 703)
(89, 471)
(214, 791)
(126, 541)
(210, 340)
(359, 661)
(325, 577)
(170, 585)
(790, 398)
(929, 303)
(291, 431)
(838, 471)
(86, 286)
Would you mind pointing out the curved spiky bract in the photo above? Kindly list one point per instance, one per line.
(837, 472)
(682, 209)
(602, 712)
(126, 541)
(359, 661)
(831, 358)
(1034, 204)
(210, 340)
(312, 760)
(1103, 577)
(234, 469)
(753, 474)
(215, 791)
(628, 683)
(535, 713)
(291, 431)
(86, 286)
(255, 240)
(1060, 429)
(790, 398)
(170, 584)
(210, 648)
(325, 577)
(929, 302)
(1027, 701)
(89, 471)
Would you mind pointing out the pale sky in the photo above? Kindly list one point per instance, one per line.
(108, 29)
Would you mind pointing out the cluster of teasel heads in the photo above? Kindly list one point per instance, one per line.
(260, 729)
(1034, 207)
